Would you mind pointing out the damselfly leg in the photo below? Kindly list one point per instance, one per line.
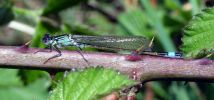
(50, 48)
(55, 56)
(80, 52)
(59, 52)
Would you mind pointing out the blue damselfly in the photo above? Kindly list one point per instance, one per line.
(131, 43)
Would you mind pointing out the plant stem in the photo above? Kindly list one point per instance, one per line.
(150, 68)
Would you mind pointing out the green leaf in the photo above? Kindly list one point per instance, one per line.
(135, 22)
(155, 17)
(40, 85)
(120, 30)
(6, 15)
(19, 93)
(88, 84)
(207, 89)
(12, 88)
(41, 29)
(100, 24)
(178, 92)
(36, 91)
(80, 29)
(9, 77)
(173, 4)
(55, 6)
(30, 76)
(196, 6)
(159, 90)
(198, 35)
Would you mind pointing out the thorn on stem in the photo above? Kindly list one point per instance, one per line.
(205, 61)
(134, 56)
(24, 48)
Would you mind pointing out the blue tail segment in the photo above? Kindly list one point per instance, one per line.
(171, 54)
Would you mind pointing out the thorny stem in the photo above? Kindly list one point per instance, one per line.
(150, 68)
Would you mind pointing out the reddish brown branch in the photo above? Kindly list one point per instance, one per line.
(150, 68)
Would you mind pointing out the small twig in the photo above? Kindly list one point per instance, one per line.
(150, 68)
(22, 27)
(149, 94)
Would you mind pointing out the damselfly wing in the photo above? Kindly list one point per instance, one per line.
(114, 42)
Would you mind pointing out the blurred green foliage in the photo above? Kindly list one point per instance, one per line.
(164, 19)
(6, 12)
(13, 88)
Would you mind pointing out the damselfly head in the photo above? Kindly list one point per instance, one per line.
(47, 38)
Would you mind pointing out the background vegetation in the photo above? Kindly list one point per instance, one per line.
(166, 19)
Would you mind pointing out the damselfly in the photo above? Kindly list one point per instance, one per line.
(131, 43)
